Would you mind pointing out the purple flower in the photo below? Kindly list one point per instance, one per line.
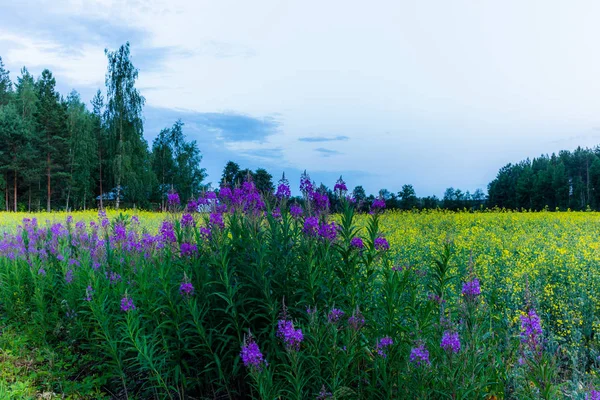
(335, 315)
(324, 394)
(419, 356)
(187, 220)
(311, 226)
(188, 249)
(382, 346)
(186, 289)
(217, 219)
(225, 193)
(381, 244)
(290, 336)
(471, 289)
(42, 272)
(311, 311)
(88, 293)
(378, 204)
(205, 232)
(210, 196)
(167, 232)
(276, 213)
(295, 211)
(251, 355)
(593, 395)
(328, 231)
(450, 342)
(340, 187)
(357, 243)
(320, 201)
(192, 205)
(357, 320)
(531, 329)
(283, 191)
(173, 199)
(112, 277)
(306, 185)
(127, 304)
(69, 276)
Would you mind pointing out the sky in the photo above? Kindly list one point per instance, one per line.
(435, 94)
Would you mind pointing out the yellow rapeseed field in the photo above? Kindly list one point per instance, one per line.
(550, 260)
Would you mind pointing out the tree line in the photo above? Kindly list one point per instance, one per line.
(55, 153)
(560, 181)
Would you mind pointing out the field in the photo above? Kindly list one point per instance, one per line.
(237, 304)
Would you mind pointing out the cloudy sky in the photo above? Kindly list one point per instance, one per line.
(432, 93)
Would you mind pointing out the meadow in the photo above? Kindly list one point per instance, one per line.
(276, 301)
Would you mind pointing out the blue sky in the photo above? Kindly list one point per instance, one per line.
(431, 93)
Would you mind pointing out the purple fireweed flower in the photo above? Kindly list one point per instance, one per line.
(283, 191)
(450, 342)
(276, 213)
(311, 226)
(127, 304)
(471, 289)
(135, 219)
(225, 193)
(69, 276)
(328, 231)
(42, 272)
(188, 249)
(105, 222)
(356, 321)
(173, 199)
(381, 244)
(88, 293)
(531, 329)
(251, 355)
(205, 232)
(593, 395)
(167, 232)
(334, 315)
(295, 211)
(73, 262)
(357, 243)
(112, 277)
(192, 205)
(340, 186)
(186, 289)
(311, 311)
(382, 346)
(324, 394)
(69, 219)
(306, 185)
(290, 336)
(210, 195)
(217, 219)
(187, 220)
(419, 355)
(378, 204)
(320, 201)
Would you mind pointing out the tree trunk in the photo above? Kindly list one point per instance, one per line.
(15, 193)
(6, 192)
(100, 164)
(48, 204)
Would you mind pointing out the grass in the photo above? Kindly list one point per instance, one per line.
(33, 370)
